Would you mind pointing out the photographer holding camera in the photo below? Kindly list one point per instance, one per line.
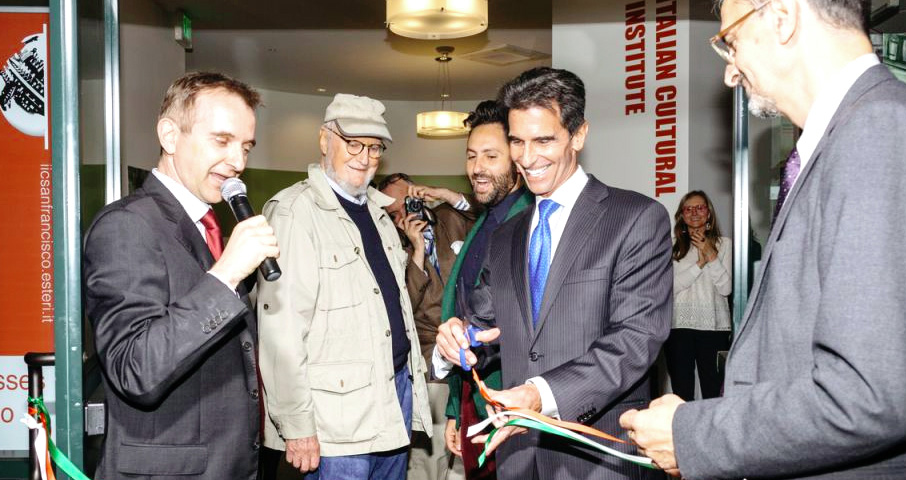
(432, 237)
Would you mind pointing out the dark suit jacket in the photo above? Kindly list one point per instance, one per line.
(816, 379)
(176, 345)
(606, 311)
(426, 288)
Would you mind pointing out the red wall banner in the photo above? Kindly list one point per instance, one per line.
(26, 236)
(26, 239)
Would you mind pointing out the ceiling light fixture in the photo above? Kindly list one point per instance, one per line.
(442, 123)
(437, 19)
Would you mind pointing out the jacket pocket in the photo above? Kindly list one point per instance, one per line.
(149, 459)
(339, 265)
(345, 401)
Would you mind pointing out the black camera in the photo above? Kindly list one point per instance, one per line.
(417, 206)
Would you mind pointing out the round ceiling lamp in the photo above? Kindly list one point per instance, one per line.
(437, 19)
(442, 123)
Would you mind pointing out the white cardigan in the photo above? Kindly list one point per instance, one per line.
(700, 294)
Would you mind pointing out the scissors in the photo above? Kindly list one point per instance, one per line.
(465, 310)
(470, 332)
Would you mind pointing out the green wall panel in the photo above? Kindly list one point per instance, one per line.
(262, 185)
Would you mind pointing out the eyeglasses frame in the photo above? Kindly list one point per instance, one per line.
(690, 209)
(364, 146)
(725, 54)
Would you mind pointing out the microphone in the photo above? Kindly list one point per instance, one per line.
(234, 193)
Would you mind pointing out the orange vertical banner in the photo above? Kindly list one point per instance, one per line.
(26, 208)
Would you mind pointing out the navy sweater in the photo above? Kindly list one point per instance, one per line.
(380, 267)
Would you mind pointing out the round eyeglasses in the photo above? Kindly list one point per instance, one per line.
(355, 147)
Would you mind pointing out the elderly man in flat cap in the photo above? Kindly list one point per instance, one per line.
(342, 369)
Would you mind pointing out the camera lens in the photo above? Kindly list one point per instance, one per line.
(414, 205)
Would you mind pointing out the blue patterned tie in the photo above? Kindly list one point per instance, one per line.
(430, 247)
(540, 255)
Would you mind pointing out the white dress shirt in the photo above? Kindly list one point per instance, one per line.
(826, 104)
(566, 196)
(360, 200)
(195, 208)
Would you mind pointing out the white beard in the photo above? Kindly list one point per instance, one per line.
(762, 107)
(346, 186)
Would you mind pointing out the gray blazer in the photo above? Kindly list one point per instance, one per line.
(816, 380)
(606, 310)
(177, 347)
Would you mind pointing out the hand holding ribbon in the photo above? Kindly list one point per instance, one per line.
(652, 430)
(512, 403)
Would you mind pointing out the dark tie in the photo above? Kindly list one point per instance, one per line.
(790, 172)
(540, 255)
(212, 234)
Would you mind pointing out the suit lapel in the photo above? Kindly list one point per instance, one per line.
(183, 228)
(583, 219)
(866, 82)
(449, 299)
(519, 260)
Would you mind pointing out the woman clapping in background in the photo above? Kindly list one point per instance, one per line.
(701, 285)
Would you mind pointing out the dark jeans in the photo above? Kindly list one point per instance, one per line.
(687, 349)
(381, 465)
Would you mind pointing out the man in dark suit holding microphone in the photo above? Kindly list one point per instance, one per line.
(579, 288)
(175, 333)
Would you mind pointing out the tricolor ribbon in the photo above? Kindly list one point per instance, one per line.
(530, 419)
(45, 449)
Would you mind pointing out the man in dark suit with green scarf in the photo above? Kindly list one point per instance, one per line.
(499, 188)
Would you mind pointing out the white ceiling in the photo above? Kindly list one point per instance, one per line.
(365, 62)
(342, 46)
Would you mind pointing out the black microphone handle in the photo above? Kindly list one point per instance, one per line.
(242, 210)
(241, 207)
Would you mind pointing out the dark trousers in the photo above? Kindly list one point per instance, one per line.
(687, 349)
(268, 461)
(471, 451)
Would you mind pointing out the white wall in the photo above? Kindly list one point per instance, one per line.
(589, 40)
(621, 145)
(149, 61)
(710, 125)
(287, 134)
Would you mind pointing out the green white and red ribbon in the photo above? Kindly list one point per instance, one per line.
(534, 420)
(522, 420)
(45, 449)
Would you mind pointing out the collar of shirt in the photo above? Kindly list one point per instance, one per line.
(193, 206)
(360, 200)
(827, 102)
(500, 211)
(566, 195)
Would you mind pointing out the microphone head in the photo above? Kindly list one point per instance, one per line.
(232, 187)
